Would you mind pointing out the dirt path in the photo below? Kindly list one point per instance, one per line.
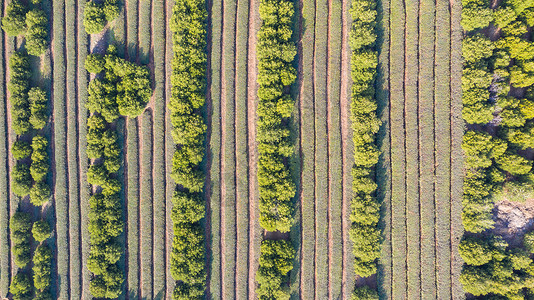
(252, 89)
(345, 128)
(328, 132)
(222, 153)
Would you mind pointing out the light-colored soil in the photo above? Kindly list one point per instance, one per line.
(513, 220)
(252, 150)
(345, 130)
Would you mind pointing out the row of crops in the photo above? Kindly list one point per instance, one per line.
(275, 53)
(498, 104)
(30, 175)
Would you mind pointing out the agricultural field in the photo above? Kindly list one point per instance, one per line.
(266, 149)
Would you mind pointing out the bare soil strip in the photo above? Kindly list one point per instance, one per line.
(346, 154)
(252, 87)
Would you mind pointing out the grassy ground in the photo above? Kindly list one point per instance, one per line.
(307, 99)
(146, 200)
(60, 142)
(334, 149)
(426, 135)
(159, 151)
(457, 130)
(215, 150)
(82, 142)
(4, 187)
(321, 149)
(411, 124)
(241, 136)
(398, 165)
(442, 102)
(228, 149)
(72, 152)
(132, 170)
(383, 169)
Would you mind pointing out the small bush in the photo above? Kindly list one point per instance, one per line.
(41, 230)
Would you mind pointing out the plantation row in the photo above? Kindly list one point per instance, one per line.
(20, 20)
(188, 79)
(28, 118)
(275, 53)
(123, 89)
(495, 169)
(365, 215)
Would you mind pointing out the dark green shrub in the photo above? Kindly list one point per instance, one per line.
(14, 21)
(21, 286)
(41, 230)
(36, 33)
(21, 150)
(38, 101)
(21, 180)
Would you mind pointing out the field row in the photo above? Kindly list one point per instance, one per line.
(424, 145)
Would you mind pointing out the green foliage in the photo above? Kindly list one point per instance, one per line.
(39, 167)
(477, 47)
(38, 102)
(21, 286)
(475, 251)
(479, 148)
(42, 267)
(188, 80)
(528, 242)
(123, 90)
(97, 15)
(95, 63)
(14, 21)
(514, 163)
(276, 260)
(18, 86)
(21, 180)
(364, 293)
(20, 226)
(475, 17)
(36, 33)
(41, 230)
(21, 150)
(40, 193)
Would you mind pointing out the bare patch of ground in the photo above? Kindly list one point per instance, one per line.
(513, 220)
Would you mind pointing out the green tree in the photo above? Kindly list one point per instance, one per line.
(38, 101)
(41, 230)
(21, 180)
(21, 150)
(14, 21)
(36, 33)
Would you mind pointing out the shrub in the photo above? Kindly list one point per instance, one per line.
(21, 286)
(14, 21)
(40, 193)
(276, 260)
(20, 229)
(528, 242)
(41, 230)
(476, 17)
(38, 102)
(477, 47)
(364, 293)
(97, 15)
(21, 180)
(42, 267)
(36, 33)
(21, 150)
(94, 63)
(475, 251)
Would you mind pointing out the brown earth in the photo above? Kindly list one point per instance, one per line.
(513, 220)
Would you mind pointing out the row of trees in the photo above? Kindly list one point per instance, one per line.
(30, 21)
(120, 88)
(22, 230)
(494, 169)
(365, 214)
(275, 53)
(188, 79)
(97, 14)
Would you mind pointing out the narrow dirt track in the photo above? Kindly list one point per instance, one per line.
(252, 89)
(346, 155)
